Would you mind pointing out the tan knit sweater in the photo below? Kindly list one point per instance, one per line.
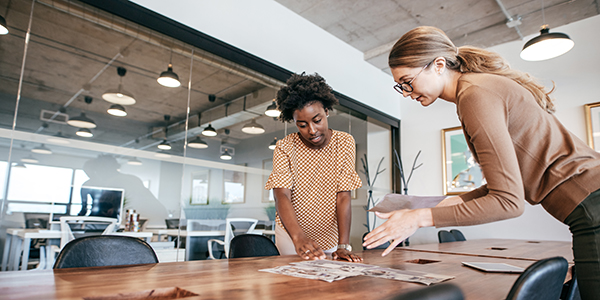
(525, 154)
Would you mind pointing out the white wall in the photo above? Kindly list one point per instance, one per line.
(576, 76)
(272, 32)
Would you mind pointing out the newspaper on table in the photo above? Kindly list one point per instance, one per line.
(331, 270)
(393, 202)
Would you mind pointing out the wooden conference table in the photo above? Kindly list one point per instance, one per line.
(501, 248)
(240, 279)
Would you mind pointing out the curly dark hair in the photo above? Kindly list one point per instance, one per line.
(302, 90)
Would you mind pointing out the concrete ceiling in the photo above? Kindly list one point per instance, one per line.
(374, 26)
(74, 52)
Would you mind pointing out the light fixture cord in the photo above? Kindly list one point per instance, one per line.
(543, 15)
(14, 124)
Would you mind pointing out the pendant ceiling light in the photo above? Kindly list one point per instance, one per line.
(198, 143)
(30, 159)
(119, 95)
(209, 131)
(273, 144)
(169, 78)
(225, 155)
(164, 145)
(253, 128)
(84, 132)
(3, 26)
(117, 110)
(272, 110)
(41, 150)
(134, 162)
(546, 45)
(82, 121)
(19, 165)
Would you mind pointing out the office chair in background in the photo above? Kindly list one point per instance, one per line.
(445, 291)
(105, 250)
(251, 245)
(543, 280)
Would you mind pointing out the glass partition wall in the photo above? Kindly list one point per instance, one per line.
(84, 115)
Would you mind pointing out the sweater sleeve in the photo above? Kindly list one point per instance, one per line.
(485, 116)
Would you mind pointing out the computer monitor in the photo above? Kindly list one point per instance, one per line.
(102, 202)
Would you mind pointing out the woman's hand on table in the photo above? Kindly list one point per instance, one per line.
(343, 254)
(308, 249)
(400, 225)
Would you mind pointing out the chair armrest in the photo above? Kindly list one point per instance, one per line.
(209, 242)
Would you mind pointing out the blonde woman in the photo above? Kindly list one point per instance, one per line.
(525, 153)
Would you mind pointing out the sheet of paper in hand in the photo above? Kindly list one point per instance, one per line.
(393, 202)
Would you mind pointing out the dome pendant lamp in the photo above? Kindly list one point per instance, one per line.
(273, 144)
(84, 132)
(117, 110)
(169, 78)
(272, 110)
(198, 143)
(42, 149)
(209, 131)
(225, 155)
(3, 26)
(546, 45)
(82, 121)
(119, 95)
(253, 128)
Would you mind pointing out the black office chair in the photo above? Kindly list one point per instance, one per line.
(105, 250)
(445, 291)
(458, 236)
(570, 290)
(445, 236)
(251, 245)
(543, 280)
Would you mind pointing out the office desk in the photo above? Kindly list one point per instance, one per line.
(240, 279)
(501, 248)
(20, 239)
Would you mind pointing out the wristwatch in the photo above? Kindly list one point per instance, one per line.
(346, 247)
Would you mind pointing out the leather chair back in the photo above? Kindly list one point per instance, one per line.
(105, 250)
(543, 280)
(251, 245)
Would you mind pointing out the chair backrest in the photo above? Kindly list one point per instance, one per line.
(445, 236)
(237, 226)
(107, 226)
(251, 245)
(445, 291)
(36, 220)
(458, 236)
(105, 250)
(542, 280)
(172, 223)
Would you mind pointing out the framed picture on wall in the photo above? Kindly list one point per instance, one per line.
(234, 183)
(592, 122)
(200, 187)
(460, 171)
(267, 194)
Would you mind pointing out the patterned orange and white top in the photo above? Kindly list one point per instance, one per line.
(315, 176)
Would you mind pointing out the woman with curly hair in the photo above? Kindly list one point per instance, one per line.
(313, 174)
(524, 151)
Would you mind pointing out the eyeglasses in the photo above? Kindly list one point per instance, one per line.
(407, 85)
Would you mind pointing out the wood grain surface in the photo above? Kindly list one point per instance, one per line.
(240, 279)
